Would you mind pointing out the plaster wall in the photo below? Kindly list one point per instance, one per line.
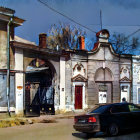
(3, 49)
(62, 84)
(19, 84)
(136, 81)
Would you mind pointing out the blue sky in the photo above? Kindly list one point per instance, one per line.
(121, 16)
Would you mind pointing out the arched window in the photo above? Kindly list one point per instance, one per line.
(78, 69)
(103, 75)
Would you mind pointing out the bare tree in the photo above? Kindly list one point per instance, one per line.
(64, 36)
(123, 45)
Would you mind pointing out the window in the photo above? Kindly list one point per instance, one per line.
(124, 70)
(133, 108)
(100, 109)
(119, 108)
(124, 88)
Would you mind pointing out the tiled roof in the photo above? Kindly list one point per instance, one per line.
(95, 46)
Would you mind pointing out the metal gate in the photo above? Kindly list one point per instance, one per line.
(39, 94)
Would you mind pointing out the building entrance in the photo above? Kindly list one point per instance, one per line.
(39, 88)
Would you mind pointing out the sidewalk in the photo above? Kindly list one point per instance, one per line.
(6, 121)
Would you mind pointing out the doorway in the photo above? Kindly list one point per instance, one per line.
(78, 96)
(105, 92)
(39, 92)
(125, 90)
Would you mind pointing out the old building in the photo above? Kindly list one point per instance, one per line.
(136, 79)
(98, 76)
(47, 80)
(6, 16)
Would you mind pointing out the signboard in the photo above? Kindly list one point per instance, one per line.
(19, 87)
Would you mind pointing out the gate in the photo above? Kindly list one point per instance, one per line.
(38, 99)
(39, 93)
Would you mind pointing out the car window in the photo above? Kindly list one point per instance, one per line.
(119, 108)
(100, 109)
(133, 108)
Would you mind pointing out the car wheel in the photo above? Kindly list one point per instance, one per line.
(113, 129)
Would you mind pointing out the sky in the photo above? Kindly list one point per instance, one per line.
(119, 16)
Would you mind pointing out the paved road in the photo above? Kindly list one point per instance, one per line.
(62, 130)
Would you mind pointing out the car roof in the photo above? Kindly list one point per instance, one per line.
(111, 104)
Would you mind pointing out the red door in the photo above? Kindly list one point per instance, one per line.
(78, 97)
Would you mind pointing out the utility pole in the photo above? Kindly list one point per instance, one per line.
(8, 65)
(101, 18)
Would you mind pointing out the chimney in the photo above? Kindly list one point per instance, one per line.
(42, 40)
(103, 35)
(82, 42)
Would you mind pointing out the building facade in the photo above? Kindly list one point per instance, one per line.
(6, 16)
(47, 80)
(136, 79)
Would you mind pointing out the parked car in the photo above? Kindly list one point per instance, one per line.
(109, 118)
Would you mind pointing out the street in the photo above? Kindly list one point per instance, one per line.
(61, 130)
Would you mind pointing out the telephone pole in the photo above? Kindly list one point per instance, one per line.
(101, 18)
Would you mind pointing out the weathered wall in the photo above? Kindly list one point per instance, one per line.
(3, 46)
(109, 61)
(136, 79)
(68, 86)
(19, 81)
(79, 58)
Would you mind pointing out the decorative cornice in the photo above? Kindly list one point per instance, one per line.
(79, 78)
(125, 79)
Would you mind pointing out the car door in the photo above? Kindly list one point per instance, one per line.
(121, 116)
(135, 111)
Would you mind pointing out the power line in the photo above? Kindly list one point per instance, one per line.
(114, 25)
(133, 33)
(45, 3)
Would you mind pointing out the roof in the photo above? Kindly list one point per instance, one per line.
(21, 40)
(110, 104)
(102, 32)
(6, 14)
(21, 43)
(6, 11)
(95, 46)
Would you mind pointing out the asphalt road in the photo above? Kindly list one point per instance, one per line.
(61, 130)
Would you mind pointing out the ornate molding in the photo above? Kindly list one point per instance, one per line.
(79, 78)
(125, 79)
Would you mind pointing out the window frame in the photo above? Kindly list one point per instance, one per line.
(135, 107)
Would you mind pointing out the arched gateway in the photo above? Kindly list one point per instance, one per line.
(39, 87)
(104, 78)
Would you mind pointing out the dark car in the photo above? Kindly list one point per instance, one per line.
(110, 118)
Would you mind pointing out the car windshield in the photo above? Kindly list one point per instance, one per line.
(100, 109)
